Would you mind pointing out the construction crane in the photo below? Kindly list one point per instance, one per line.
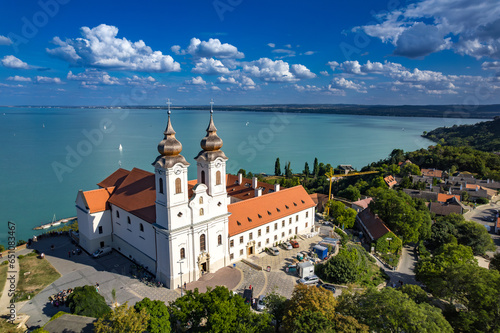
(331, 175)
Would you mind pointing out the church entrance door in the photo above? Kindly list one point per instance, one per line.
(204, 267)
(250, 250)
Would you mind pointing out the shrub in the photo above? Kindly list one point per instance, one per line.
(21, 242)
(86, 301)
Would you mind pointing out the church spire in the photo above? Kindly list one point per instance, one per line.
(169, 146)
(211, 142)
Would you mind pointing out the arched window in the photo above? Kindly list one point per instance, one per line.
(219, 239)
(217, 178)
(202, 243)
(160, 185)
(202, 176)
(201, 212)
(128, 219)
(183, 253)
(178, 187)
(141, 227)
(117, 214)
(201, 200)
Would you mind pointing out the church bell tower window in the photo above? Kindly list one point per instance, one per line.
(178, 187)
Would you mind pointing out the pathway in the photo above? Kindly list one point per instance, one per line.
(12, 279)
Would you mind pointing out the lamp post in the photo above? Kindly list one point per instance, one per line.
(180, 273)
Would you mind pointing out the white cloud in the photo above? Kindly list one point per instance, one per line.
(12, 62)
(428, 26)
(309, 52)
(196, 81)
(494, 65)
(11, 85)
(302, 72)
(5, 40)
(99, 48)
(93, 77)
(18, 78)
(243, 82)
(276, 70)
(289, 46)
(324, 73)
(215, 88)
(342, 83)
(212, 48)
(307, 88)
(140, 80)
(272, 45)
(46, 79)
(286, 53)
(210, 66)
(333, 64)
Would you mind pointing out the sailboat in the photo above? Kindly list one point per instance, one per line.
(120, 148)
(54, 222)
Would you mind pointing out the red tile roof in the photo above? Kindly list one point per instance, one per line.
(252, 213)
(97, 200)
(373, 224)
(319, 198)
(443, 197)
(432, 173)
(115, 179)
(245, 190)
(498, 222)
(363, 203)
(472, 186)
(137, 195)
(389, 180)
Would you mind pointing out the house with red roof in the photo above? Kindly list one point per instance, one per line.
(376, 233)
(179, 229)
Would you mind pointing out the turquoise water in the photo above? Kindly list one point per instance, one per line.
(47, 155)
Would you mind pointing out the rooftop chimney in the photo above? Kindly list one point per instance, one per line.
(276, 187)
(258, 192)
(240, 178)
(254, 182)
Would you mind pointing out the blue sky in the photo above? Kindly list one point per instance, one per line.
(72, 52)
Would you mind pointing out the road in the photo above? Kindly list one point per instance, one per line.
(478, 215)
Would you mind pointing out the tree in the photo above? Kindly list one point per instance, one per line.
(350, 193)
(122, 319)
(159, 319)
(315, 167)
(276, 305)
(495, 262)
(288, 170)
(243, 172)
(476, 236)
(415, 293)
(86, 301)
(277, 167)
(2, 248)
(347, 218)
(389, 310)
(349, 265)
(313, 309)
(306, 170)
(217, 310)
(410, 169)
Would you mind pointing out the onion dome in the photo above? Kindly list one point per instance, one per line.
(211, 142)
(169, 146)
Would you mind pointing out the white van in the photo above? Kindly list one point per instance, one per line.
(102, 252)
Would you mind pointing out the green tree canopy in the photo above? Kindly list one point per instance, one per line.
(86, 301)
(277, 167)
(390, 310)
(123, 319)
(306, 171)
(159, 319)
(350, 193)
(217, 310)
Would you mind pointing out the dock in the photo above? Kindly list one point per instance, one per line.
(55, 223)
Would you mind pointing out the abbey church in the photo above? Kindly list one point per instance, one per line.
(174, 226)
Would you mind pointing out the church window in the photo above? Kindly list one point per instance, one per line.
(117, 214)
(290, 220)
(178, 187)
(160, 185)
(217, 178)
(307, 214)
(267, 229)
(141, 227)
(201, 200)
(202, 243)
(283, 223)
(183, 253)
(241, 239)
(219, 239)
(296, 218)
(201, 212)
(250, 236)
(203, 177)
(128, 220)
(231, 243)
(100, 229)
(276, 226)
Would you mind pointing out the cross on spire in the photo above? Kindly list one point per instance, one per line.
(212, 105)
(168, 103)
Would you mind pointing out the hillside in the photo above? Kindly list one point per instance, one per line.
(483, 136)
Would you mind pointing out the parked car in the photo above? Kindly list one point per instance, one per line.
(287, 246)
(309, 280)
(261, 306)
(102, 251)
(274, 251)
(248, 295)
(294, 243)
(327, 286)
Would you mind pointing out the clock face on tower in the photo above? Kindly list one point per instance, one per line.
(177, 171)
(218, 164)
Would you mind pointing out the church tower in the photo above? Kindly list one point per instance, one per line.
(171, 180)
(211, 164)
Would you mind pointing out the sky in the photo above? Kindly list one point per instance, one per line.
(110, 53)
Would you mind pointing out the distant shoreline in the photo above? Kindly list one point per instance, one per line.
(432, 111)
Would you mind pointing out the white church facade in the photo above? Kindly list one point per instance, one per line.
(176, 227)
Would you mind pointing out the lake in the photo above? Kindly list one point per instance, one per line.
(48, 154)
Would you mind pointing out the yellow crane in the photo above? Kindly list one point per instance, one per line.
(331, 175)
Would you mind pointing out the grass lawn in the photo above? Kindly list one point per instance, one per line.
(6, 327)
(41, 275)
(3, 277)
